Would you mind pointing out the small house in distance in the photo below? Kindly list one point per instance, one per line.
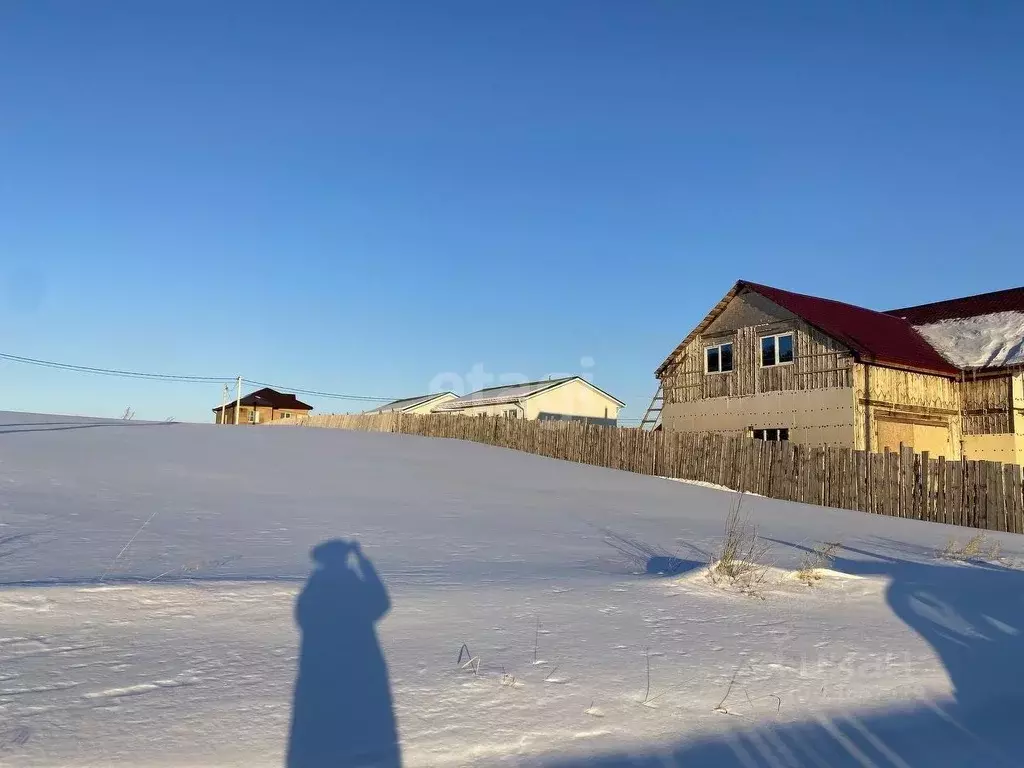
(572, 398)
(420, 405)
(260, 407)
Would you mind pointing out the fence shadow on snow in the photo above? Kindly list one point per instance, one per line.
(972, 616)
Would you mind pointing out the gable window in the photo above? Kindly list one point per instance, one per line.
(772, 435)
(718, 359)
(776, 350)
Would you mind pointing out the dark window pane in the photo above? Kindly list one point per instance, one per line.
(784, 434)
(713, 360)
(786, 348)
(768, 350)
(771, 434)
(759, 434)
(726, 357)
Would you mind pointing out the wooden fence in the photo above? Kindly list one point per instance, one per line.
(979, 494)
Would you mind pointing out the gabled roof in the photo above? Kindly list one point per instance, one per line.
(409, 402)
(271, 398)
(1010, 300)
(514, 393)
(873, 337)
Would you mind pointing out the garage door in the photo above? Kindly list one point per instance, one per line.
(923, 437)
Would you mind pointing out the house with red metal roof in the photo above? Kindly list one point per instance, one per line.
(776, 365)
(260, 407)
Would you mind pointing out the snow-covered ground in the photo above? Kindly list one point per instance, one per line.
(150, 573)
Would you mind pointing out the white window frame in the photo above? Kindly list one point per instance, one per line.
(775, 341)
(719, 348)
(764, 430)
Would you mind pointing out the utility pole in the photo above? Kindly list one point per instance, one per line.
(238, 399)
(224, 404)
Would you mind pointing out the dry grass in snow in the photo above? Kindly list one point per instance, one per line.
(978, 547)
(814, 562)
(742, 560)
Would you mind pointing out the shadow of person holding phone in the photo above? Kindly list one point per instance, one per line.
(342, 714)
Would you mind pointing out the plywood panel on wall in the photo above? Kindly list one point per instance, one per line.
(934, 438)
(748, 310)
(818, 417)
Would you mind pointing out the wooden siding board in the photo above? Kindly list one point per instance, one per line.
(819, 362)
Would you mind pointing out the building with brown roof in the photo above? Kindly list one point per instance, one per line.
(261, 407)
(943, 377)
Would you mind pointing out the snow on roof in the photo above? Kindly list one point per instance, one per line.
(984, 341)
(504, 394)
(408, 402)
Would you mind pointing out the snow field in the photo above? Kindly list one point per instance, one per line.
(186, 653)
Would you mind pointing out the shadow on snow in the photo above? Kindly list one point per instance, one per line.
(63, 426)
(653, 560)
(342, 714)
(971, 614)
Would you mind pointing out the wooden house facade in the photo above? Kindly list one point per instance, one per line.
(777, 365)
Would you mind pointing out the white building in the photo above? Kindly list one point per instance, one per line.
(570, 398)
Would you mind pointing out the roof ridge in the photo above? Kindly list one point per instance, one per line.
(861, 307)
(522, 384)
(420, 397)
(956, 299)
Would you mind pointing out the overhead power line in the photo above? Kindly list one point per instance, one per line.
(173, 377)
(316, 393)
(186, 378)
(114, 371)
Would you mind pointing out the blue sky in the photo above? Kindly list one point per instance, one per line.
(370, 197)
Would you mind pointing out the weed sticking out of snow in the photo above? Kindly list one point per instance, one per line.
(742, 561)
(814, 563)
(775, 701)
(648, 700)
(978, 548)
(472, 662)
(510, 681)
(536, 645)
(550, 678)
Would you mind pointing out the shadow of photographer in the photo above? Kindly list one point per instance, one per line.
(342, 714)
